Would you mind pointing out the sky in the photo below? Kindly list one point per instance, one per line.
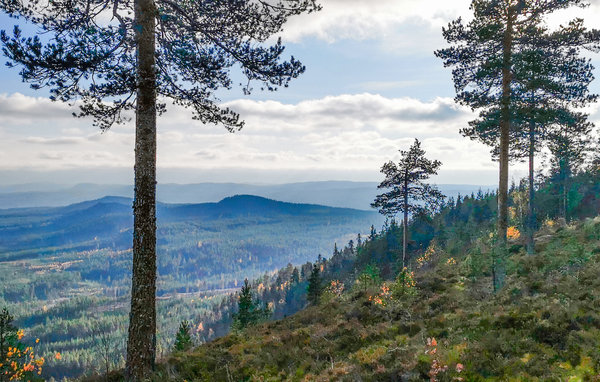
(372, 86)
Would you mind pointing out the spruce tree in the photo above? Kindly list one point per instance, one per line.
(118, 56)
(183, 338)
(407, 191)
(314, 286)
(249, 310)
(295, 279)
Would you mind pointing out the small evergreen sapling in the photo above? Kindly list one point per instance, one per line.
(183, 339)
(370, 276)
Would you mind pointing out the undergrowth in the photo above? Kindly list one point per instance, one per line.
(447, 325)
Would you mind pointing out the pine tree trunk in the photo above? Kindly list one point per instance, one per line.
(404, 238)
(564, 197)
(531, 209)
(405, 221)
(504, 143)
(141, 344)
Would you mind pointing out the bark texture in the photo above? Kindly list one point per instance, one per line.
(405, 222)
(531, 207)
(504, 143)
(141, 345)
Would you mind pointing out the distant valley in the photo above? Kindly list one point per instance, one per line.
(65, 272)
(239, 236)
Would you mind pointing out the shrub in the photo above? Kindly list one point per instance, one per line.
(370, 276)
(17, 361)
(404, 285)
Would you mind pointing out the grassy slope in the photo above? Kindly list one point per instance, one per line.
(544, 325)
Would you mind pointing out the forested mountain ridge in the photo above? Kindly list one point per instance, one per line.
(104, 222)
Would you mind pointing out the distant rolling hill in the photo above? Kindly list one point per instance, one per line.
(330, 193)
(107, 222)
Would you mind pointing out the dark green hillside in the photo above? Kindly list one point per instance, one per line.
(249, 205)
(106, 223)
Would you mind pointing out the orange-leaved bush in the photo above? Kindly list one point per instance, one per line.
(18, 362)
(512, 233)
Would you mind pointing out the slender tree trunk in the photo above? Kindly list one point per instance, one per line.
(531, 209)
(504, 143)
(141, 344)
(404, 238)
(405, 221)
(564, 198)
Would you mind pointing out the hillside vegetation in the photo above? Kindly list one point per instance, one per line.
(545, 325)
(439, 320)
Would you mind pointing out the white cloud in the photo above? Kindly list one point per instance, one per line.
(367, 19)
(336, 134)
(400, 27)
(346, 134)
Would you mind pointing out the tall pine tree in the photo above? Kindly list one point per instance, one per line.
(550, 78)
(122, 55)
(482, 55)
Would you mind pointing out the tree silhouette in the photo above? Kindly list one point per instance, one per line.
(314, 288)
(407, 191)
(122, 55)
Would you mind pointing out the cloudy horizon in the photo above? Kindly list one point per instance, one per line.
(370, 88)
